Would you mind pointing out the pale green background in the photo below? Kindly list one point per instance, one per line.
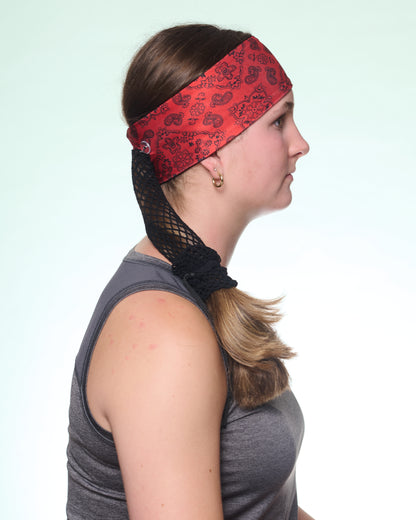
(343, 253)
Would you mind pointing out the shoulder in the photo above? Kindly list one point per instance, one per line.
(158, 311)
(154, 344)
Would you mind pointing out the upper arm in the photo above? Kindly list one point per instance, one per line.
(163, 391)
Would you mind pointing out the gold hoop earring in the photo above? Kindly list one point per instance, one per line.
(218, 182)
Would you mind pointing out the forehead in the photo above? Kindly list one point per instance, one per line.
(285, 103)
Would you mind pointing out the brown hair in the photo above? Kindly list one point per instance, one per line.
(167, 63)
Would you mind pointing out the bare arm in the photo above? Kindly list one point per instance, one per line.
(158, 380)
(302, 515)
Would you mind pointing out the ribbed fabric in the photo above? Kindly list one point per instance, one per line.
(259, 447)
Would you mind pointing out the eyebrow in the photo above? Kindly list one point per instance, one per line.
(287, 107)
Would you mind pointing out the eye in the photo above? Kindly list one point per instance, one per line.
(279, 121)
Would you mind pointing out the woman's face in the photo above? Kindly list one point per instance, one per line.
(258, 165)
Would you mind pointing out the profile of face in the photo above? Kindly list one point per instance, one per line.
(258, 165)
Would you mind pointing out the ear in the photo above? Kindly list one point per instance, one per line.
(212, 164)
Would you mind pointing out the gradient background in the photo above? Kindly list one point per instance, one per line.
(343, 253)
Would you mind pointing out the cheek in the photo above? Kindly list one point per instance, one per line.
(259, 161)
(239, 165)
(275, 149)
(272, 163)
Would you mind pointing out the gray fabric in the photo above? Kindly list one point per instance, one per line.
(259, 448)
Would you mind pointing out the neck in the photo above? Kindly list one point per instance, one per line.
(218, 232)
(211, 213)
(214, 220)
(212, 237)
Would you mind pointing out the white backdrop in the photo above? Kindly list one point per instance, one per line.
(343, 253)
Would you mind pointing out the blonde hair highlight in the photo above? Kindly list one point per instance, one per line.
(245, 327)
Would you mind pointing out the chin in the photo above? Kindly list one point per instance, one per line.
(284, 202)
(275, 207)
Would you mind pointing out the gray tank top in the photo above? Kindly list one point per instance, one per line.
(259, 447)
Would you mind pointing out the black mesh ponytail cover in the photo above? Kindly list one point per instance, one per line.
(191, 259)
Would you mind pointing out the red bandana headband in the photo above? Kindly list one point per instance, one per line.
(212, 110)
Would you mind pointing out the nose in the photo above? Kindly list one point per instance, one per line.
(305, 146)
(299, 145)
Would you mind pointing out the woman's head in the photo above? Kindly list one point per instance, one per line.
(211, 110)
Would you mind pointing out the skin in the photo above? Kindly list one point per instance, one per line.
(161, 390)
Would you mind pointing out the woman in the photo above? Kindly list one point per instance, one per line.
(180, 404)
